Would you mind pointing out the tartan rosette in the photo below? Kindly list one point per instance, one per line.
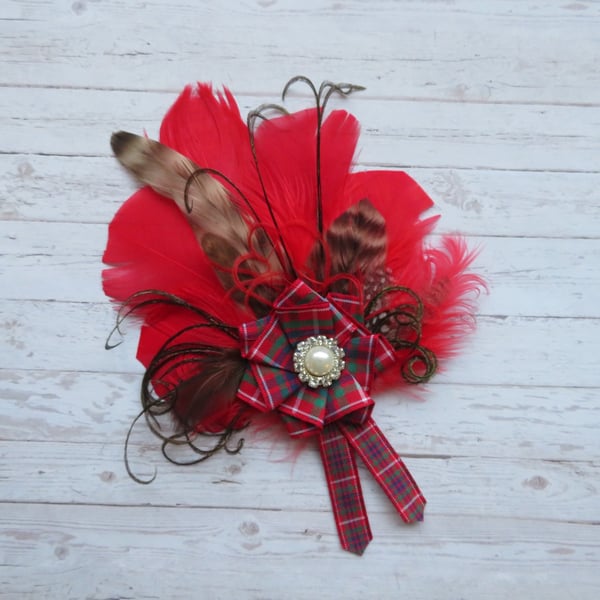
(340, 413)
(271, 383)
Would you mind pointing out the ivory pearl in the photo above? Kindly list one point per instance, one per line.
(319, 361)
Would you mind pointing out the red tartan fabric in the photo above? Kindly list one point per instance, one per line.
(341, 413)
(388, 469)
(345, 491)
(270, 382)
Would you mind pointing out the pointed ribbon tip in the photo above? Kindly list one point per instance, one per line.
(345, 491)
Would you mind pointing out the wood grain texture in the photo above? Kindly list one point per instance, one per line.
(396, 132)
(446, 420)
(476, 202)
(503, 351)
(530, 277)
(494, 108)
(106, 553)
(502, 51)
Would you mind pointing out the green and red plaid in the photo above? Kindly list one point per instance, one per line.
(345, 491)
(340, 413)
(388, 469)
(302, 313)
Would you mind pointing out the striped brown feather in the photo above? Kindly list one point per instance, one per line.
(220, 227)
(356, 242)
(206, 202)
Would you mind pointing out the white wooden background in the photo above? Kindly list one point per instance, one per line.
(494, 106)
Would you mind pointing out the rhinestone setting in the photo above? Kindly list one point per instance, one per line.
(318, 361)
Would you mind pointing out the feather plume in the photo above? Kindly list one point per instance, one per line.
(203, 399)
(253, 210)
(218, 223)
(203, 200)
(356, 242)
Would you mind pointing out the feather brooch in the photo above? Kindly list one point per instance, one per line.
(269, 277)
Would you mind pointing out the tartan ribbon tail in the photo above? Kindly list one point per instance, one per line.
(386, 466)
(345, 491)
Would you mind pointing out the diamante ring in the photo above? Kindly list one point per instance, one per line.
(319, 361)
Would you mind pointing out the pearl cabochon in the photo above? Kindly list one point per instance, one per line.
(318, 360)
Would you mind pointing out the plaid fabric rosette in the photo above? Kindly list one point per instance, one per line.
(309, 337)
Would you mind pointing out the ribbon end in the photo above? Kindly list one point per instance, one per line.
(358, 546)
(414, 511)
(343, 482)
(421, 514)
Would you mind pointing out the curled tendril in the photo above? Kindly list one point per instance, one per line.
(259, 113)
(185, 439)
(167, 360)
(142, 413)
(173, 355)
(401, 325)
(420, 367)
(159, 407)
(325, 89)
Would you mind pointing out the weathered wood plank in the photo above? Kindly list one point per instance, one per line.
(550, 490)
(503, 350)
(454, 420)
(475, 202)
(73, 552)
(529, 277)
(495, 108)
(507, 51)
(395, 132)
